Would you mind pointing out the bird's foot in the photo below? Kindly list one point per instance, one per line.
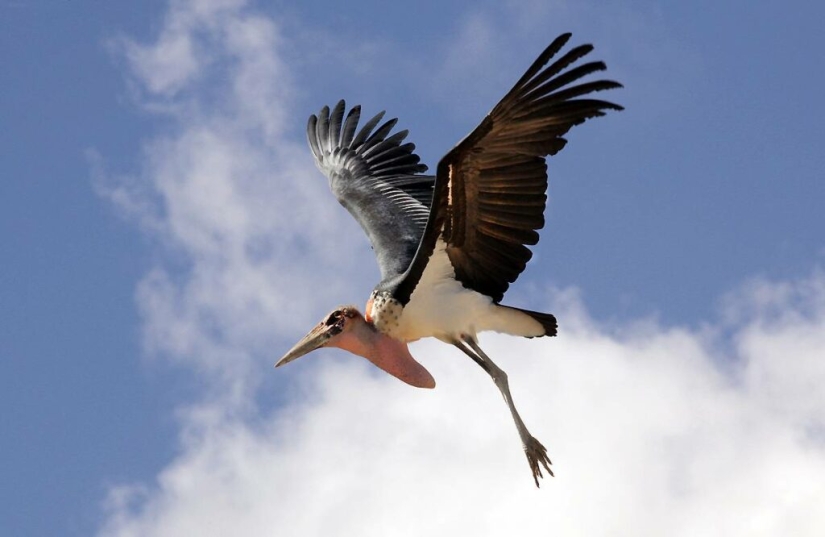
(537, 457)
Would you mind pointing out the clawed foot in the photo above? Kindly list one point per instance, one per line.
(536, 453)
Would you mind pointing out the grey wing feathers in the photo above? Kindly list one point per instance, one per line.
(377, 178)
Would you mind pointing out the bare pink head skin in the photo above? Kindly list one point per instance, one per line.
(347, 329)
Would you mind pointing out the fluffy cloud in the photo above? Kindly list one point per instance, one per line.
(227, 193)
(653, 429)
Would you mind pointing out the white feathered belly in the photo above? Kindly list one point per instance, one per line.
(442, 307)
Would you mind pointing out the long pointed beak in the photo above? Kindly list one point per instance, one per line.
(317, 337)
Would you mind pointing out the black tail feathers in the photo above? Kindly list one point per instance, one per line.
(547, 320)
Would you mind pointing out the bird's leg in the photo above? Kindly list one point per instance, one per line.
(536, 453)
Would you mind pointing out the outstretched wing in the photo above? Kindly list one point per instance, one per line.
(376, 177)
(490, 189)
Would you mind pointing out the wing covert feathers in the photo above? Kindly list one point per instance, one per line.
(490, 190)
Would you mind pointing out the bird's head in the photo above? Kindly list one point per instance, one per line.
(347, 329)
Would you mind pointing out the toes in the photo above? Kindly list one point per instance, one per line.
(537, 457)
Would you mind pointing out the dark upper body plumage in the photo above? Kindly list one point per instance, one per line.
(487, 199)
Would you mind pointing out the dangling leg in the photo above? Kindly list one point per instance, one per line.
(536, 453)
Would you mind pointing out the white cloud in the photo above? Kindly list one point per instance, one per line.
(178, 56)
(653, 430)
(229, 194)
(648, 437)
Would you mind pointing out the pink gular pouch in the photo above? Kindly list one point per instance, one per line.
(347, 329)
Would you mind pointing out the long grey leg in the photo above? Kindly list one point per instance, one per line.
(536, 453)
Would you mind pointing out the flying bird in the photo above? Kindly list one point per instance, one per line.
(448, 246)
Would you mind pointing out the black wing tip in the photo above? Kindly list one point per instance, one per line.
(546, 55)
(557, 43)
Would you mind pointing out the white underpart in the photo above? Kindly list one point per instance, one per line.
(442, 307)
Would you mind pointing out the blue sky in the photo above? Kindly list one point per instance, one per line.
(165, 237)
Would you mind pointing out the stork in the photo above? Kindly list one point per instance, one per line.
(448, 246)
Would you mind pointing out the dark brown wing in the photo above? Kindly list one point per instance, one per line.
(490, 190)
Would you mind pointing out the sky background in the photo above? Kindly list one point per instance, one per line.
(164, 237)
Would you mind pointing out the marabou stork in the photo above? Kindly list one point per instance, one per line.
(448, 246)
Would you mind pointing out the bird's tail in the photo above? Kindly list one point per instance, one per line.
(547, 321)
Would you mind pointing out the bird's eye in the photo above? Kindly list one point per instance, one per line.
(333, 318)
